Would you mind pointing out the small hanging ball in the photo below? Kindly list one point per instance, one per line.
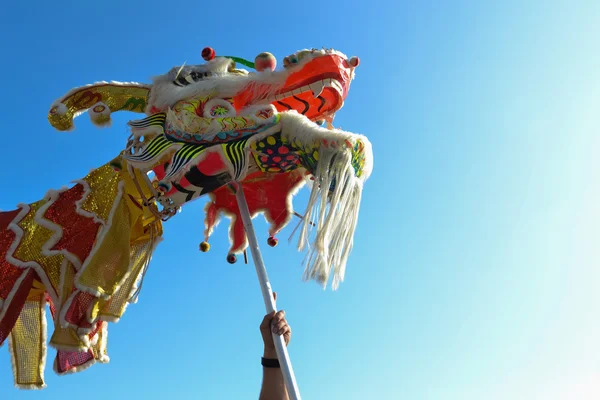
(208, 54)
(354, 61)
(272, 241)
(204, 247)
(163, 187)
(231, 258)
(265, 61)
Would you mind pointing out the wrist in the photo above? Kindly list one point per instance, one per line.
(270, 352)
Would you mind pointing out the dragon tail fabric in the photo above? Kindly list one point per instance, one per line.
(82, 251)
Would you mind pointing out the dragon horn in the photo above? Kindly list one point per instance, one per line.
(101, 99)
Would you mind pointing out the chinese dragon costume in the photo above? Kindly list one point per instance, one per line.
(83, 250)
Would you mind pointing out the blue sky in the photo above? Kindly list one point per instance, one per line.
(475, 269)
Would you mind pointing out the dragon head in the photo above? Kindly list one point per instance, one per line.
(213, 124)
(314, 83)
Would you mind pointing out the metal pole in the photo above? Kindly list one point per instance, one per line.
(265, 286)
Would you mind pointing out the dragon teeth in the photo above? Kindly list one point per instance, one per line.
(316, 88)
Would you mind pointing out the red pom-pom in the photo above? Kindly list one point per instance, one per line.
(208, 54)
(265, 61)
(272, 241)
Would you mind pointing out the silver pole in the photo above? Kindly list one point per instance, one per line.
(265, 286)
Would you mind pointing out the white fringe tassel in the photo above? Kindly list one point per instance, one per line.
(335, 215)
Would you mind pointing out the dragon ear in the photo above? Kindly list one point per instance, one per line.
(102, 99)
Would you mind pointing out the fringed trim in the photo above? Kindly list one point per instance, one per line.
(79, 368)
(44, 338)
(62, 347)
(31, 386)
(335, 213)
(104, 359)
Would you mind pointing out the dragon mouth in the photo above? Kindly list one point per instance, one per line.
(314, 100)
(316, 88)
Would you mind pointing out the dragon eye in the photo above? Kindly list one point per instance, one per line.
(302, 54)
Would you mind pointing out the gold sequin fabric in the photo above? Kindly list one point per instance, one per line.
(117, 97)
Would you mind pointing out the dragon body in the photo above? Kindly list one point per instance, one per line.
(84, 250)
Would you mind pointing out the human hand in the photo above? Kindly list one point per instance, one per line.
(274, 322)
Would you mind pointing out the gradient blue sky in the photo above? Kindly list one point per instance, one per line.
(475, 270)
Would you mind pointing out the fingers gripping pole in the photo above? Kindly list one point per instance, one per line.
(265, 286)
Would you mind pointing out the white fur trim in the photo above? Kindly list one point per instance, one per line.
(100, 114)
(61, 109)
(165, 94)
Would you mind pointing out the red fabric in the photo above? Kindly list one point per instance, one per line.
(8, 272)
(13, 309)
(78, 232)
(212, 164)
(76, 314)
(68, 360)
(263, 192)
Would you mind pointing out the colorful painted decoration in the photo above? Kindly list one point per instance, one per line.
(84, 250)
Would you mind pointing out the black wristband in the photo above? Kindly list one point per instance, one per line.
(269, 362)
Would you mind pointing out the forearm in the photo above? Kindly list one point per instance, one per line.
(273, 386)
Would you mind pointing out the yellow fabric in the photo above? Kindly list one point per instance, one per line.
(28, 343)
(65, 337)
(129, 97)
(140, 254)
(110, 261)
(30, 248)
(103, 183)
